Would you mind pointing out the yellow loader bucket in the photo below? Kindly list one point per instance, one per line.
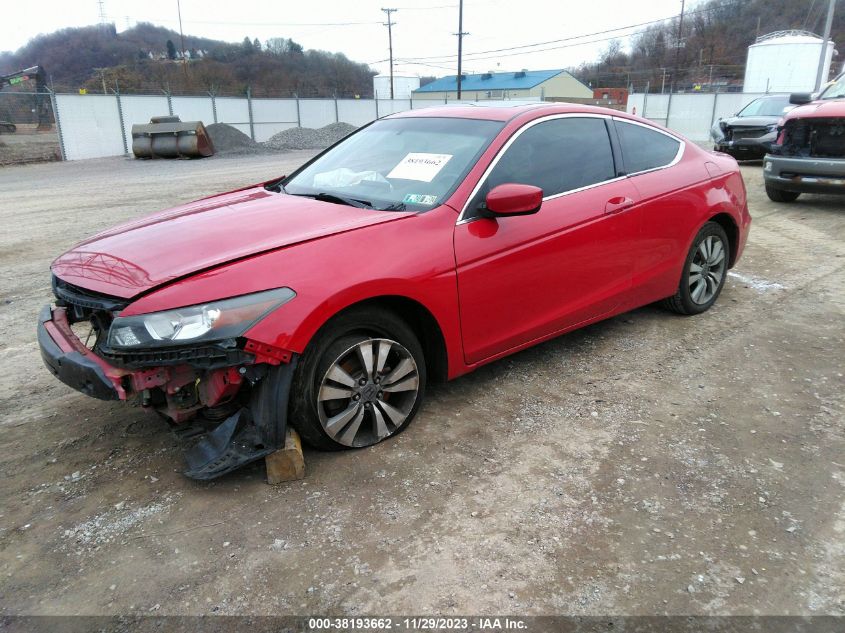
(168, 137)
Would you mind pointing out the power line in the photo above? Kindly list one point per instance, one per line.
(576, 37)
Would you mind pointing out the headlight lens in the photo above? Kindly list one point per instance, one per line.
(215, 321)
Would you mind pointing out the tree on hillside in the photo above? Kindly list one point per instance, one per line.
(713, 45)
(171, 50)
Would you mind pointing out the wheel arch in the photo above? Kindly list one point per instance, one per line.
(418, 317)
(727, 222)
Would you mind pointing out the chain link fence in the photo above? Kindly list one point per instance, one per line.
(28, 131)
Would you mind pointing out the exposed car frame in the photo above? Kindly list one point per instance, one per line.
(809, 155)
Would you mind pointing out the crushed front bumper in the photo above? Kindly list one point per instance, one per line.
(250, 433)
(745, 149)
(74, 364)
(805, 175)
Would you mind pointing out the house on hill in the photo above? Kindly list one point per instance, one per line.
(545, 84)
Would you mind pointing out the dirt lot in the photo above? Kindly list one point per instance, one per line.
(29, 146)
(648, 464)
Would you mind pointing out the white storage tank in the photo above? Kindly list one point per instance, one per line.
(785, 61)
(403, 86)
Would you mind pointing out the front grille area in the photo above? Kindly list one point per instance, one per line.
(737, 133)
(86, 307)
(819, 138)
(82, 299)
(205, 357)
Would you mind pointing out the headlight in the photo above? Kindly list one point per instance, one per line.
(214, 321)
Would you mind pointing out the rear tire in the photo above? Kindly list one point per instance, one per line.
(779, 195)
(704, 272)
(369, 369)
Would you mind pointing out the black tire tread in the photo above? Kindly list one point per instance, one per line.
(780, 195)
(367, 321)
(677, 303)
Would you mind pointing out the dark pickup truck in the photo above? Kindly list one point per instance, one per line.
(809, 155)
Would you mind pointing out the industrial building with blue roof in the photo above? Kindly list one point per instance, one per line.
(545, 84)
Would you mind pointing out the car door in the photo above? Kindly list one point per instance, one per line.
(668, 204)
(523, 278)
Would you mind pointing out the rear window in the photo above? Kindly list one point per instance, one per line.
(644, 149)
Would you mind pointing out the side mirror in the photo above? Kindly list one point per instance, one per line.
(513, 199)
(800, 98)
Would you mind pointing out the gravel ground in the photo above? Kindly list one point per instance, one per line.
(230, 140)
(647, 464)
(308, 138)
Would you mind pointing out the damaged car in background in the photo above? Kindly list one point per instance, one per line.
(750, 133)
(809, 155)
(419, 248)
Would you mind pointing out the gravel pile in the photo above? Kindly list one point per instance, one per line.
(230, 140)
(309, 138)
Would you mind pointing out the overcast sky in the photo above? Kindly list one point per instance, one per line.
(355, 27)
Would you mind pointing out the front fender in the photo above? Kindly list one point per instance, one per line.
(413, 259)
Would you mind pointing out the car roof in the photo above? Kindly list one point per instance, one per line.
(503, 110)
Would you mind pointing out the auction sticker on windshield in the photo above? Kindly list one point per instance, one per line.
(419, 198)
(419, 166)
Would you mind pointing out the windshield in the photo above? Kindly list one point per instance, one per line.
(765, 107)
(394, 164)
(836, 90)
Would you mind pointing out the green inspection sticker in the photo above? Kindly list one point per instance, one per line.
(419, 198)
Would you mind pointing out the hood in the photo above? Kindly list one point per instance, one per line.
(831, 108)
(751, 121)
(137, 256)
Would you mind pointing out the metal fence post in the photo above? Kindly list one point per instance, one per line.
(376, 100)
(249, 109)
(645, 100)
(298, 113)
(669, 109)
(120, 117)
(169, 101)
(213, 105)
(55, 105)
(336, 111)
(713, 111)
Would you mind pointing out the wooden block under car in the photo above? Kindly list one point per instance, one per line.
(286, 464)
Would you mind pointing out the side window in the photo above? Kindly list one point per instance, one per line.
(644, 149)
(557, 156)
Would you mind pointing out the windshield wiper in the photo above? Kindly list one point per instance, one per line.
(336, 199)
(396, 206)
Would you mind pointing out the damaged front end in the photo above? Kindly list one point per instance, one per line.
(813, 138)
(224, 395)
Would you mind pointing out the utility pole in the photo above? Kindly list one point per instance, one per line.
(182, 38)
(678, 49)
(460, 35)
(663, 82)
(825, 40)
(389, 24)
(102, 12)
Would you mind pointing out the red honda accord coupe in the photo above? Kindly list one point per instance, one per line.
(422, 246)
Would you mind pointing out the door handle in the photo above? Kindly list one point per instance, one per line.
(618, 204)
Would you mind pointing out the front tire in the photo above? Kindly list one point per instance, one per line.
(779, 195)
(705, 270)
(361, 380)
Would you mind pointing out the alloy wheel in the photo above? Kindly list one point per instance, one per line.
(368, 392)
(707, 269)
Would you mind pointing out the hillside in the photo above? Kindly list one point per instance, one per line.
(715, 33)
(145, 58)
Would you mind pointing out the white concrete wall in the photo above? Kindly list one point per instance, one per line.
(90, 124)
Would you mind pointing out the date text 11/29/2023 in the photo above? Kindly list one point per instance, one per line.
(418, 623)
